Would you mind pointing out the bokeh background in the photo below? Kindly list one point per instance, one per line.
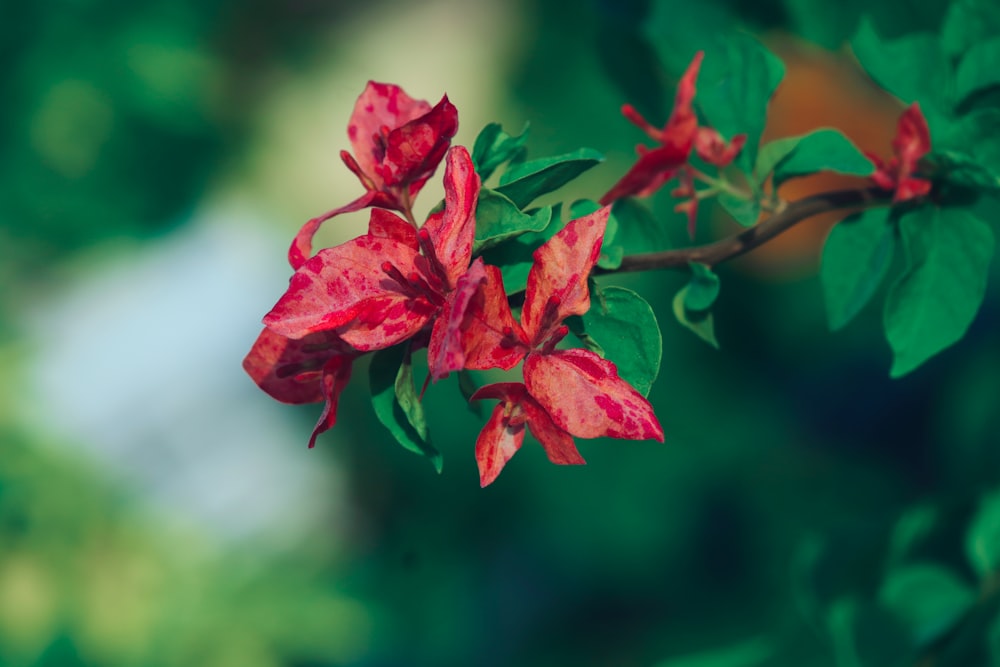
(157, 509)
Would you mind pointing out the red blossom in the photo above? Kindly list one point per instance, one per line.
(398, 143)
(382, 288)
(308, 370)
(911, 143)
(565, 392)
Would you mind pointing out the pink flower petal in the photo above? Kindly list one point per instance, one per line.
(381, 108)
(584, 396)
(445, 353)
(497, 443)
(557, 281)
(492, 337)
(452, 233)
(289, 370)
(336, 374)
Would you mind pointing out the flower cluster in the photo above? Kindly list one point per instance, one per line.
(911, 143)
(679, 136)
(421, 285)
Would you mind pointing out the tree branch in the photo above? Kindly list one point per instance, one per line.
(745, 241)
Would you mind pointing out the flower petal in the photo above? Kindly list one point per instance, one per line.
(289, 370)
(301, 248)
(584, 396)
(386, 224)
(445, 353)
(557, 443)
(413, 150)
(492, 337)
(451, 233)
(497, 443)
(380, 109)
(329, 290)
(653, 168)
(336, 374)
(557, 281)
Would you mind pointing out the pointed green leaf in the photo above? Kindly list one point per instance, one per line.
(702, 289)
(743, 210)
(637, 230)
(935, 300)
(770, 155)
(913, 68)
(396, 402)
(856, 256)
(929, 599)
(525, 181)
(467, 386)
(515, 255)
(978, 70)
(975, 135)
(699, 322)
(493, 147)
(625, 327)
(823, 150)
(735, 85)
(499, 219)
(982, 541)
(960, 169)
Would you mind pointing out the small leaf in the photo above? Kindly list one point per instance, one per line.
(822, 150)
(467, 386)
(698, 322)
(770, 155)
(493, 147)
(625, 327)
(525, 181)
(637, 229)
(744, 211)
(955, 168)
(703, 288)
(935, 300)
(499, 219)
(928, 599)
(737, 79)
(396, 402)
(982, 542)
(856, 256)
(978, 70)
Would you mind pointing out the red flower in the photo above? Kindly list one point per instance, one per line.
(398, 143)
(382, 288)
(565, 392)
(912, 142)
(656, 166)
(309, 370)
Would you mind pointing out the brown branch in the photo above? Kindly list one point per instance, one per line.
(745, 241)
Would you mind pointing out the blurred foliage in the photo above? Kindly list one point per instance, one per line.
(806, 509)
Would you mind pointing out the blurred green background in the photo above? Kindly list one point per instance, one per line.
(157, 509)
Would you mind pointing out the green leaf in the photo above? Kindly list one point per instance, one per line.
(959, 169)
(974, 135)
(982, 541)
(467, 386)
(968, 23)
(913, 68)
(735, 85)
(979, 69)
(927, 598)
(637, 230)
(856, 256)
(625, 327)
(396, 402)
(751, 653)
(515, 255)
(703, 288)
(700, 322)
(499, 219)
(770, 155)
(822, 150)
(935, 300)
(525, 181)
(493, 147)
(743, 210)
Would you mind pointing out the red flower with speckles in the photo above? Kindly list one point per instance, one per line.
(398, 143)
(912, 142)
(681, 133)
(382, 288)
(565, 393)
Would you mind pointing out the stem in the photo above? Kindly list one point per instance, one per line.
(748, 239)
